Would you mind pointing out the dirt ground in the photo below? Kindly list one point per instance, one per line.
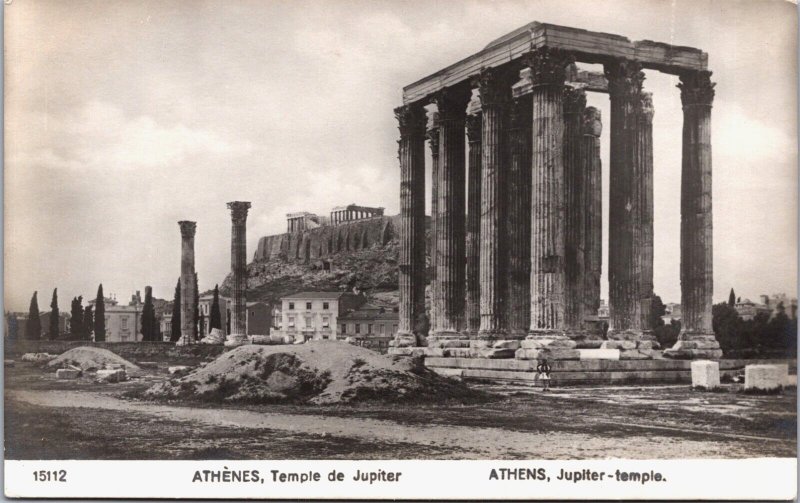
(49, 419)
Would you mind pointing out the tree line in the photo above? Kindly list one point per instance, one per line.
(89, 322)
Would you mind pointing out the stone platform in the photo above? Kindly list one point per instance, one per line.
(596, 371)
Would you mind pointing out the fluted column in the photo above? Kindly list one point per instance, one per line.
(473, 307)
(433, 143)
(697, 272)
(591, 128)
(574, 103)
(187, 281)
(411, 152)
(518, 195)
(450, 270)
(625, 86)
(495, 91)
(238, 333)
(548, 274)
(642, 228)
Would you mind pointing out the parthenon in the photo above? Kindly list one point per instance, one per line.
(517, 199)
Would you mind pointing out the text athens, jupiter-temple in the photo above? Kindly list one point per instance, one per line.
(517, 239)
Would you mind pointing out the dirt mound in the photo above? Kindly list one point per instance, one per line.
(89, 358)
(319, 372)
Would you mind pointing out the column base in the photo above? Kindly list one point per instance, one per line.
(547, 344)
(633, 344)
(185, 340)
(695, 346)
(232, 340)
(403, 340)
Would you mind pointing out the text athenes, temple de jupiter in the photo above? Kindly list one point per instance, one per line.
(516, 227)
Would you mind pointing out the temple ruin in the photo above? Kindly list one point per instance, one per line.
(517, 199)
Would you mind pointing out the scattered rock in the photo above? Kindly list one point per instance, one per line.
(179, 370)
(67, 374)
(37, 357)
(148, 365)
(111, 375)
(8, 363)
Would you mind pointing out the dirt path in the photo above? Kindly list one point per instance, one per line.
(465, 442)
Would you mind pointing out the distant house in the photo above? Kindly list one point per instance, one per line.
(748, 310)
(772, 302)
(259, 318)
(603, 311)
(315, 315)
(44, 320)
(370, 326)
(672, 312)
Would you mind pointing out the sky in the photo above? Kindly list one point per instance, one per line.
(123, 118)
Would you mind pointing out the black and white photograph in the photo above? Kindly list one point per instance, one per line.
(400, 249)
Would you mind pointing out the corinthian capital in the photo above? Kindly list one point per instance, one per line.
(239, 211)
(646, 110)
(574, 100)
(411, 120)
(474, 128)
(697, 88)
(548, 65)
(494, 85)
(451, 102)
(187, 228)
(624, 77)
(592, 122)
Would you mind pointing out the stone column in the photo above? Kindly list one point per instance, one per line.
(630, 212)
(547, 338)
(187, 281)
(433, 143)
(450, 270)
(495, 91)
(697, 272)
(574, 103)
(411, 119)
(473, 306)
(591, 129)
(238, 335)
(518, 194)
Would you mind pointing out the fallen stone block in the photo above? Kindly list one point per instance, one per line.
(236, 340)
(37, 357)
(288, 339)
(506, 345)
(479, 344)
(447, 372)
(618, 344)
(705, 374)
(8, 363)
(624, 336)
(405, 341)
(111, 375)
(765, 377)
(458, 352)
(697, 344)
(543, 342)
(263, 340)
(148, 365)
(550, 354)
(635, 354)
(67, 374)
(599, 354)
(495, 353)
(648, 345)
(454, 343)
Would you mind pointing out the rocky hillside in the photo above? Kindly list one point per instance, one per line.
(360, 255)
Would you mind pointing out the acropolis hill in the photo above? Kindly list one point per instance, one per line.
(336, 253)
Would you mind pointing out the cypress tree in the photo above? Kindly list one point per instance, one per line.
(176, 314)
(201, 330)
(215, 320)
(76, 319)
(33, 328)
(100, 316)
(54, 314)
(148, 316)
(88, 322)
(732, 298)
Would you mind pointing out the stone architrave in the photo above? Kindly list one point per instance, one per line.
(591, 129)
(450, 227)
(495, 91)
(547, 338)
(188, 314)
(238, 335)
(518, 196)
(411, 152)
(697, 273)
(473, 226)
(574, 240)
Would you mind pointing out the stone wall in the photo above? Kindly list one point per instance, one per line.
(128, 350)
(327, 240)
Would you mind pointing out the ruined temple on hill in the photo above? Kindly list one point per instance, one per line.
(517, 200)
